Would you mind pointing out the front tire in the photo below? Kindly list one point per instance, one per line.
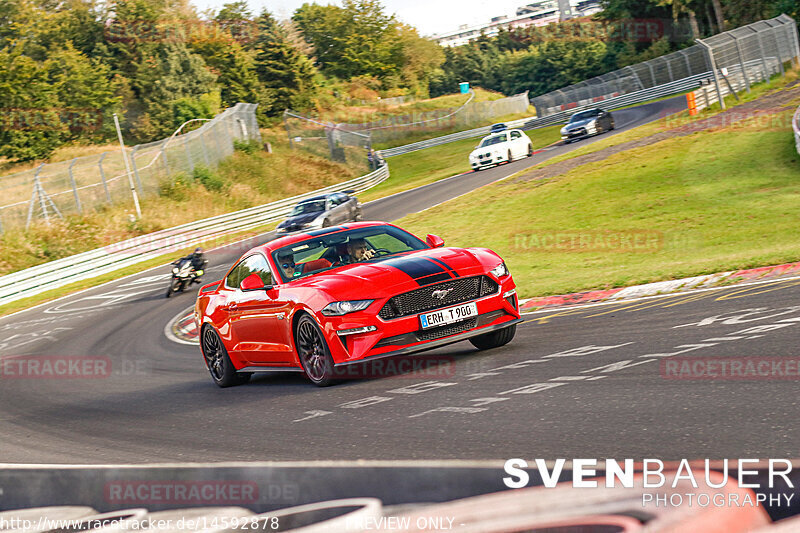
(313, 352)
(172, 288)
(509, 156)
(495, 339)
(222, 371)
(326, 223)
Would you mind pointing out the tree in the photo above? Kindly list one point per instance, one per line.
(286, 74)
(357, 39)
(420, 59)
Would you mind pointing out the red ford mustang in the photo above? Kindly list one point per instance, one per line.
(336, 296)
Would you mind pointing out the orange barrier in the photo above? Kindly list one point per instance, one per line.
(691, 103)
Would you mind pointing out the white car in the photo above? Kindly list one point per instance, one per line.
(501, 147)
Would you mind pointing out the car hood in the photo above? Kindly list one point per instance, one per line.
(401, 273)
(579, 123)
(301, 219)
(487, 149)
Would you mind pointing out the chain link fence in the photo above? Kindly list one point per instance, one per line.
(325, 139)
(329, 139)
(86, 183)
(738, 57)
(469, 115)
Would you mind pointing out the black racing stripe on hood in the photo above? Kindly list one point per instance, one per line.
(420, 269)
(447, 267)
(435, 278)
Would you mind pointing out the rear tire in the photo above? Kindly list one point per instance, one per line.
(509, 156)
(530, 150)
(219, 364)
(313, 352)
(495, 339)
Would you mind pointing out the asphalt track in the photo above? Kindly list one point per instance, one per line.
(592, 381)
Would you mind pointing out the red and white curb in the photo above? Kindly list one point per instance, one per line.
(182, 328)
(707, 281)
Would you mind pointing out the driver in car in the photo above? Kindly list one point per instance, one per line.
(358, 250)
(286, 264)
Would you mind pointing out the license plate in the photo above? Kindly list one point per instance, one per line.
(448, 316)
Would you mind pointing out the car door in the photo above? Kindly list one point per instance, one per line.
(334, 210)
(351, 207)
(516, 144)
(604, 121)
(258, 318)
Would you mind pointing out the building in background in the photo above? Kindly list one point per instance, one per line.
(538, 13)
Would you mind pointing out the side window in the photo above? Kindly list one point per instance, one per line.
(257, 264)
(515, 135)
(235, 277)
(252, 264)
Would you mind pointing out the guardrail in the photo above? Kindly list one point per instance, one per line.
(55, 274)
(676, 87)
(796, 128)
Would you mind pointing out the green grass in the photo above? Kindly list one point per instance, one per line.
(439, 162)
(708, 201)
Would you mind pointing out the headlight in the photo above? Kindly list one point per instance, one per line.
(280, 230)
(564, 130)
(175, 270)
(500, 270)
(343, 308)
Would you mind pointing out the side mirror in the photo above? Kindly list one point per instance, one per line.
(434, 241)
(253, 283)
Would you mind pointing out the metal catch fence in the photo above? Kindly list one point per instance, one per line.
(86, 183)
(471, 114)
(324, 139)
(751, 53)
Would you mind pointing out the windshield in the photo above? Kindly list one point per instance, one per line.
(316, 254)
(494, 139)
(584, 115)
(308, 207)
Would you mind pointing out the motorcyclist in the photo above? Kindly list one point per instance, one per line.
(199, 263)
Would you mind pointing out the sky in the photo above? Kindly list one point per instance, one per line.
(428, 16)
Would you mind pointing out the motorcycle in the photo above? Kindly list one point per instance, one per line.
(183, 275)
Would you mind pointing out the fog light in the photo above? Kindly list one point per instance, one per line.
(353, 331)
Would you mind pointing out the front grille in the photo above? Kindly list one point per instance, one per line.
(446, 331)
(577, 133)
(421, 300)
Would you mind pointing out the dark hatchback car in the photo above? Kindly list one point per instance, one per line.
(321, 212)
(586, 124)
(500, 126)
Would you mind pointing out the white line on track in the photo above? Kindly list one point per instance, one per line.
(655, 296)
